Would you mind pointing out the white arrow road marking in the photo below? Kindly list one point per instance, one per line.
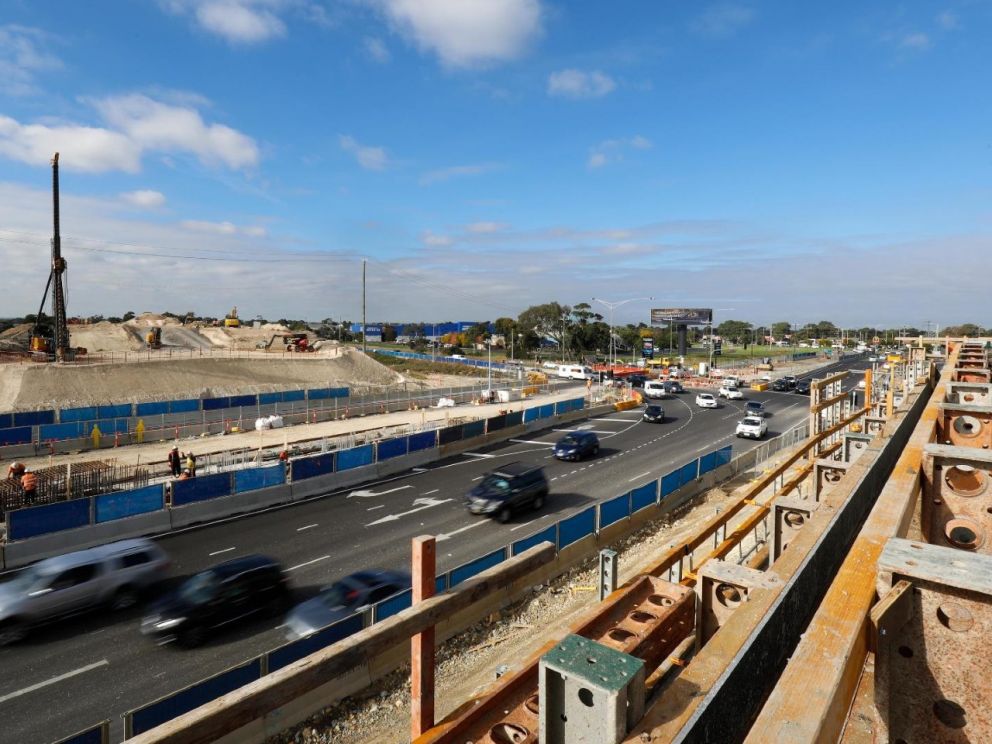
(420, 505)
(364, 494)
(446, 535)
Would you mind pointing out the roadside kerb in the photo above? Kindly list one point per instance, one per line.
(259, 709)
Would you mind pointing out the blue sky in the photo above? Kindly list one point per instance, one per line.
(775, 161)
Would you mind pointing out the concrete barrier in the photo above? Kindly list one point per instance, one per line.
(228, 506)
(22, 552)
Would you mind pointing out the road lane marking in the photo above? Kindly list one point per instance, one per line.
(428, 493)
(521, 526)
(53, 680)
(373, 508)
(218, 552)
(308, 563)
(532, 441)
(420, 505)
(446, 535)
(306, 527)
(621, 420)
(367, 494)
(479, 454)
(638, 477)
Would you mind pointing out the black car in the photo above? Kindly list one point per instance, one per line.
(512, 487)
(577, 445)
(780, 386)
(673, 386)
(654, 414)
(637, 381)
(802, 387)
(214, 599)
(755, 408)
(343, 598)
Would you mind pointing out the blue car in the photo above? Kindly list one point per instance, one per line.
(577, 445)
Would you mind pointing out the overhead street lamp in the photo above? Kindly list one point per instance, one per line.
(613, 306)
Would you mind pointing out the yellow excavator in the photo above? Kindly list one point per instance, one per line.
(231, 320)
(154, 337)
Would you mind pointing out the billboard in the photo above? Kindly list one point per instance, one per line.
(647, 350)
(681, 316)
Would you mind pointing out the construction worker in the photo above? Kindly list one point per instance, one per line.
(175, 462)
(191, 463)
(29, 482)
(15, 470)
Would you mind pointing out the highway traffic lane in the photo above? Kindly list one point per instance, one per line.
(469, 537)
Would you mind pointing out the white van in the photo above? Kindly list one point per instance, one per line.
(655, 389)
(575, 372)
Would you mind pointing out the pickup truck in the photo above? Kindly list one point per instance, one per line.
(752, 428)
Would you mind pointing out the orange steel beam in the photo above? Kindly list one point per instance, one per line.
(673, 556)
(812, 697)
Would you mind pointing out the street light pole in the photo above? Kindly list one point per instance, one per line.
(612, 355)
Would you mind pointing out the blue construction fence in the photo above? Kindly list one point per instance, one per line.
(563, 533)
(39, 520)
(99, 734)
(66, 423)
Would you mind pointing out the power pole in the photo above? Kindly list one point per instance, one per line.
(364, 328)
(58, 268)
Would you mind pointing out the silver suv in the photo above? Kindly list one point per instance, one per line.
(111, 575)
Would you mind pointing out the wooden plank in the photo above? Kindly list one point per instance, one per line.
(232, 711)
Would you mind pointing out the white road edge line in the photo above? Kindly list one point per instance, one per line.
(309, 563)
(225, 550)
(638, 477)
(53, 680)
(307, 527)
(479, 454)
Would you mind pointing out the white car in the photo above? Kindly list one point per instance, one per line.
(767, 377)
(731, 392)
(706, 400)
(752, 427)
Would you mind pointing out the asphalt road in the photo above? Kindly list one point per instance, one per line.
(73, 674)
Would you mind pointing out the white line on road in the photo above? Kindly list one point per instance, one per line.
(365, 494)
(225, 550)
(479, 454)
(309, 563)
(306, 527)
(419, 504)
(521, 526)
(532, 441)
(428, 493)
(621, 420)
(53, 680)
(446, 535)
(638, 477)
(373, 508)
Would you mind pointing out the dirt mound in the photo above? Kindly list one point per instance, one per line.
(106, 336)
(43, 386)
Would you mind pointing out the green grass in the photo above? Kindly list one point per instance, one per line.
(422, 367)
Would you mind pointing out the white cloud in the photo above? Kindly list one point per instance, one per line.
(614, 150)
(144, 198)
(159, 126)
(918, 41)
(457, 171)
(239, 21)
(22, 58)
(223, 228)
(485, 228)
(370, 158)
(89, 149)
(377, 50)
(573, 83)
(948, 20)
(436, 241)
(467, 33)
(724, 19)
(137, 124)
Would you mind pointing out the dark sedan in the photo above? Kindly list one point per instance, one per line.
(343, 598)
(577, 445)
(780, 386)
(217, 598)
(802, 387)
(654, 414)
